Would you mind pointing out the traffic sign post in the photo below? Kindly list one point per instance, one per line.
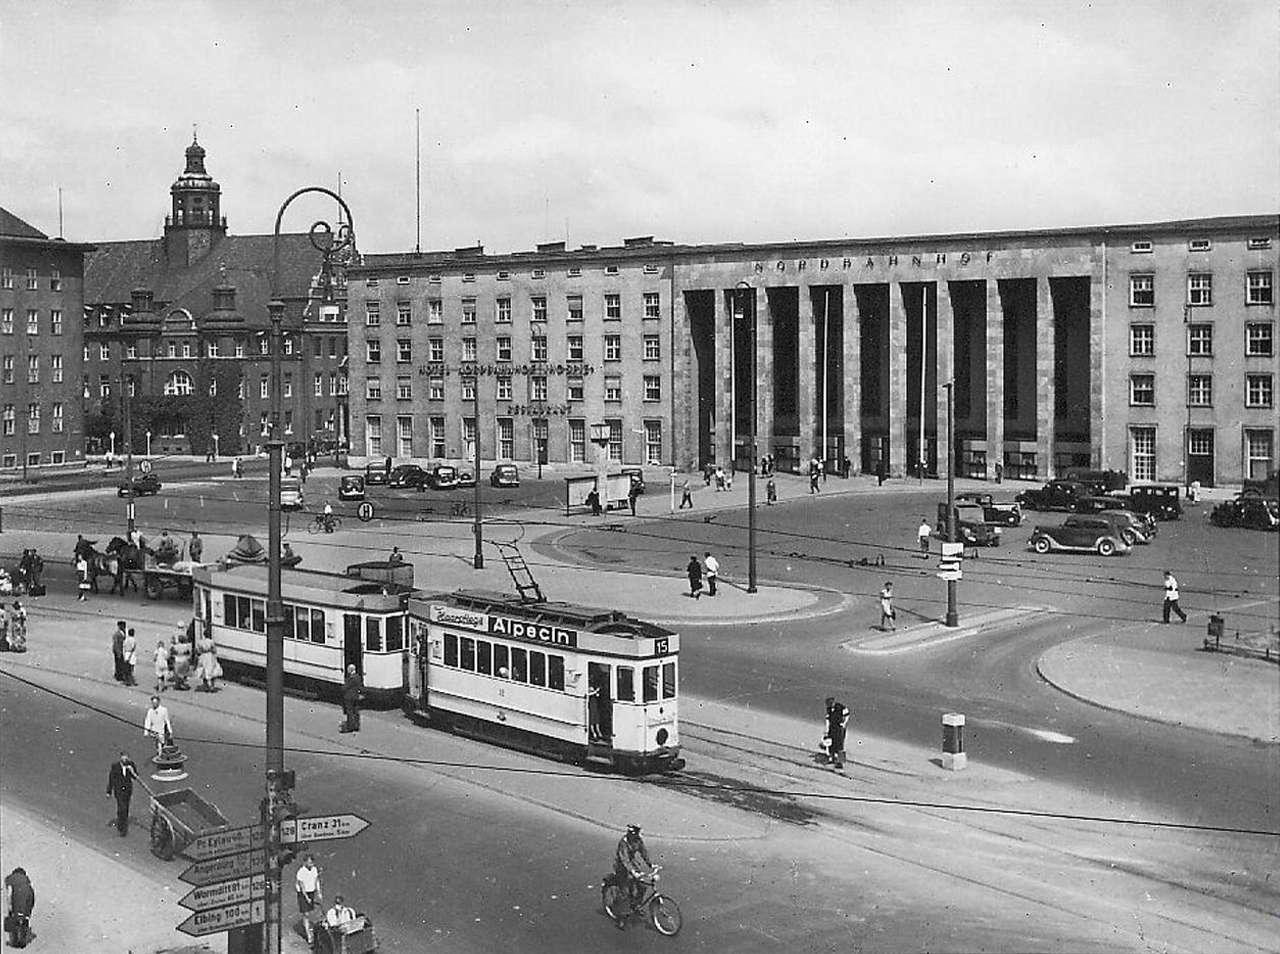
(321, 828)
(228, 841)
(226, 868)
(949, 566)
(250, 888)
(224, 919)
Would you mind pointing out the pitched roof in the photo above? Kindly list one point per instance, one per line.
(11, 225)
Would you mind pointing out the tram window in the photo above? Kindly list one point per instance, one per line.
(288, 621)
(450, 649)
(373, 634)
(302, 624)
(537, 669)
(519, 665)
(650, 683)
(668, 680)
(242, 612)
(259, 616)
(468, 656)
(555, 672)
(395, 634)
(501, 662)
(317, 625)
(626, 684)
(228, 609)
(484, 657)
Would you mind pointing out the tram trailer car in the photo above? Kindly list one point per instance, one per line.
(573, 682)
(332, 620)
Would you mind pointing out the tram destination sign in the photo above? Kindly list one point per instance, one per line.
(226, 868)
(224, 893)
(227, 841)
(224, 919)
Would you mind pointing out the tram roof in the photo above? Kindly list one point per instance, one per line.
(549, 612)
(293, 580)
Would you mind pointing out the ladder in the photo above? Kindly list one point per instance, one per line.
(521, 575)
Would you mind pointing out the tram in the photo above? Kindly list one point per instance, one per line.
(568, 681)
(332, 620)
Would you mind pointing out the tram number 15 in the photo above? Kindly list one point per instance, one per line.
(661, 647)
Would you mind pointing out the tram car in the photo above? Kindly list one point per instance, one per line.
(331, 620)
(573, 682)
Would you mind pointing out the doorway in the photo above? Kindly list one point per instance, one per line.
(599, 705)
(1200, 456)
(352, 641)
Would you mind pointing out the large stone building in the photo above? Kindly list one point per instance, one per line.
(1144, 348)
(198, 380)
(41, 296)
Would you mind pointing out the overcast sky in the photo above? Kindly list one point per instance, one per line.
(595, 121)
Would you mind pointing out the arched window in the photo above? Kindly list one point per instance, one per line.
(179, 383)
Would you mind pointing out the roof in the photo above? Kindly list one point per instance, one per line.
(11, 225)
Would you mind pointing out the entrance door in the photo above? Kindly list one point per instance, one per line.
(352, 641)
(599, 705)
(1200, 456)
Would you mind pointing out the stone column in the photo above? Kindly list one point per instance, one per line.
(1046, 392)
(1097, 362)
(764, 374)
(995, 378)
(852, 377)
(724, 377)
(945, 343)
(897, 411)
(807, 384)
(685, 399)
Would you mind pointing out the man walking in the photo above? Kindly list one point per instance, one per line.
(158, 725)
(686, 496)
(307, 885)
(837, 723)
(694, 571)
(195, 548)
(887, 614)
(712, 566)
(1171, 597)
(352, 688)
(117, 650)
(120, 786)
(129, 658)
(922, 537)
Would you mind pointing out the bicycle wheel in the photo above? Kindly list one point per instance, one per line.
(314, 526)
(666, 916)
(614, 903)
(334, 524)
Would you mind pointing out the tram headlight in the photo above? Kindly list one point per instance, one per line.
(662, 736)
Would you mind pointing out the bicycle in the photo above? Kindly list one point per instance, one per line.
(662, 912)
(323, 524)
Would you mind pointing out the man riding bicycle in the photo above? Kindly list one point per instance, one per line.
(627, 868)
(328, 517)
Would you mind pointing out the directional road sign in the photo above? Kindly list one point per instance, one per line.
(365, 511)
(224, 919)
(226, 868)
(225, 841)
(251, 888)
(321, 828)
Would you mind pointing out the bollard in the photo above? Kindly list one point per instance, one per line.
(1216, 629)
(953, 755)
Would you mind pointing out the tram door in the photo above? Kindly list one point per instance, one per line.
(599, 704)
(352, 642)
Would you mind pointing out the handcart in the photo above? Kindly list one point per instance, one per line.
(178, 818)
(354, 937)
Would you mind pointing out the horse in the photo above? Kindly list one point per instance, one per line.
(126, 558)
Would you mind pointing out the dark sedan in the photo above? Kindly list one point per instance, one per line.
(1080, 535)
(407, 477)
(142, 485)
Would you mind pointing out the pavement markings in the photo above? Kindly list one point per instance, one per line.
(1055, 737)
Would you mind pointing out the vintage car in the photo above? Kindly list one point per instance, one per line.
(505, 475)
(1055, 495)
(142, 485)
(1005, 514)
(1094, 534)
(1133, 528)
(1252, 511)
(351, 487)
(1098, 481)
(972, 529)
(441, 477)
(291, 495)
(1160, 500)
(466, 478)
(407, 477)
(375, 475)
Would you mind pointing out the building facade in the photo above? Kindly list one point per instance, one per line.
(41, 297)
(179, 327)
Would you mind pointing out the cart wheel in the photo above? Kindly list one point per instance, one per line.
(162, 838)
(153, 587)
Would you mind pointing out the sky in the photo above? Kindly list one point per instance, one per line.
(595, 121)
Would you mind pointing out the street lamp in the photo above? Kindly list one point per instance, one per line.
(953, 614)
(744, 292)
(477, 526)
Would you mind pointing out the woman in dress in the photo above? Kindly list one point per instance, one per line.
(207, 667)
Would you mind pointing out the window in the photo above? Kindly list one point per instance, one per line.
(55, 322)
(404, 313)
(1142, 291)
(213, 387)
(652, 387)
(1258, 392)
(404, 436)
(373, 390)
(1259, 243)
(264, 388)
(538, 348)
(33, 279)
(264, 346)
(33, 321)
(502, 315)
(468, 311)
(626, 688)
(104, 386)
(404, 387)
(436, 427)
(6, 321)
(1259, 340)
(373, 435)
(435, 388)
(506, 438)
(55, 368)
(573, 347)
(55, 424)
(650, 683)
(404, 351)
(1200, 390)
(186, 347)
(574, 305)
(131, 352)
(577, 441)
(1200, 288)
(1142, 340)
(33, 418)
(288, 385)
(9, 420)
(503, 348)
(504, 276)
(372, 314)
(615, 439)
(669, 680)
(573, 389)
(211, 349)
(104, 352)
(1259, 453)
(613, 307)
(469, 435)
(1142, 390)
(504, 387)
(435, 350)
(33, 369)
(318, 346)
(538, 306)
(288, 422)
(239, 350)
(519, 665)
(373, 352)
(1140, 247)
(435, 311)
(6, 277)
(1200, 340)
(1199, 245)
(7, 363)
(538, 389)
(1142, 448)
(318, 385)
(469, 349)
(1259, 288)
(373, 634)
(613, 388)
(613, 347)
(333, 382)
(652, 305)
(653, 442)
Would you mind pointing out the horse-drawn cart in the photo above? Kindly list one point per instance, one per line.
(159, 577)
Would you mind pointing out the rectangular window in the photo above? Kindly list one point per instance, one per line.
(404, 436)
(506, 438)
(626, 688)
(404, 387)
(373, 389)
(1200, 340)
(469, 436)
(404, 313)
(55, 367)
(373, 352)
(1143, 451)
(484, 657)
(502, 313)
(653, 442)
(372, 314)
(1259, 340)
(451, 650)
(317, 384)
(131, 351)
(537, 668)
(577, 442)
(1200, 288)
(1142, 290)
(435, 388)
(652, 305)
(404, 351)
(10, 418)
(212, 349)
(1142, 390)
(615, 439)
(56, 418)
(613, 307)
(468, 311)
(437, 436)
(6, 322)
(650, 683)
(652, 387)
(33, 321)
(538, 348)
(538, 308)
(239, 350)
(501, 661)
(6, 277)
(1199, 245)
(1142, 340)
(503, 348)
(573, 389)
(669, 680)
(317, 624)
(104, 386)
(538, 389)
(55, 279)
(288, 385)
(33, 280)
(519, 665)
(613, 347)
(1258, 286)
(104, 352)
(55, 322)
(6, 375)
(573, 345)
(264, 388)
(1258, 392)
(469, 351)
(186, 347)
(504, 391)
(435, 350)
(555, 672)
(1200, 390)
(612, 388)
(435, 311)
(573, 305)
(33, 369)
(373, 435)
(652, 348)
(1259, 452)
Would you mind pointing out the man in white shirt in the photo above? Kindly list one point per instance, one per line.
(711, 571)
(922, 536)
(157, 723)
(339, 914)
(1171, 597)
(307, 884)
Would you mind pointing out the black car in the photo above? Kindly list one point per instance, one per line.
(466, 479)
(971, 527)
(1162, 501)
(142, 485)
(1005, 514)
(407, 477)
(1055, 495)
(1252, 511)
(505, 475)
(351, 487)
(375, 475)
(441, 477)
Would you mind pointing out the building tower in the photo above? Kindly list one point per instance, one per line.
(196, 224)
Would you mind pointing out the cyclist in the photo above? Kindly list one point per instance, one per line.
(328, 517)
(630, 873)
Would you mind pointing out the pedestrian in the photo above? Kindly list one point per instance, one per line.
(4, 628)
(837, 722)
(157, 724)
(694, 570)
(686, 495)
(180, 649)
(728, 479)
(386, 467)
(129, 657)
(307, 884)
(20, 901)
(161, 664)
(593, 501)
(195, 548)
(822, 469)
(207, 667)
(18, 627)
(352, 688)
(813, 475)
(712, 572)
(395, 557)
(882, 471)
(82, 578)
(288, 465)
(632, 494)
(1171, 597)
(117, 650)
(719, 477)
(708, 472)
(923, 532)
(845, 466)
(771, 491)
(887, 614)
(120, 786)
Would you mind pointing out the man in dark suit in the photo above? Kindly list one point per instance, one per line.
(120, 785)
(352, 689)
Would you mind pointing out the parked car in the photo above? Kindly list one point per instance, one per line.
(291, 497)
(1160, 500)
(1080, 535)
(1005, 514)
(375, 475)
(351, 487)
(505, 475)
(442, 477)
(143, 484)
(1100, 504)
(1055, 495)
(466, 478)
(637, 478)
(1133, 528)
(971, 527)
(407, 477)
(1251, 511)
(1098, 481)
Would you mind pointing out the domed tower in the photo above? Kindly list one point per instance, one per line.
(196, 224)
